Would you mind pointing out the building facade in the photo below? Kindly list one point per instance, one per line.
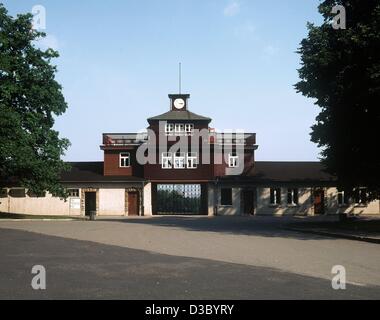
(182, 166)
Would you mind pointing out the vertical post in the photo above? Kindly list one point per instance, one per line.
(180, 77)
(142, 199)
(216, 197)
(8, 200)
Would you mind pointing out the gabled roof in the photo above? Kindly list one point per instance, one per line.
(92, 172)
(263, 172)
(285, 172)
(179, 115)
(289, 171)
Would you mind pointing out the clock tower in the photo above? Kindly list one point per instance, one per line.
(178, 102)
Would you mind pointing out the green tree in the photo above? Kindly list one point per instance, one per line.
(341, 70)
(30, 98)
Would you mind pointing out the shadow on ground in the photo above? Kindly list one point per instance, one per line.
(86, 270)
(237, 225)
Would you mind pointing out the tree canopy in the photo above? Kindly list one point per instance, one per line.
(340, 69)
(30, 98)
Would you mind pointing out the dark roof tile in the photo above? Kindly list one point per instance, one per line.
(290, 171)
(179, 115)
(92, 172)
(284, 172)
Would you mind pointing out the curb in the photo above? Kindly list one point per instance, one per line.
(8, 220)
(337, 235)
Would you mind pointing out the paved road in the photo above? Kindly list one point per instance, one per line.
(170, 257)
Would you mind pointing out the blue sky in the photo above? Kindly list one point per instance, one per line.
(119, 61)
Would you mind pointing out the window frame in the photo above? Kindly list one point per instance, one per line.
(293, 196)
(359, 196)
(345, 200)
(167, 131)
(179, 131)
(182, 157)
(189, 129)
(122, 156)
(69, 190)
(166, 158)
(276, 196)
(232, 156)
(193, 156)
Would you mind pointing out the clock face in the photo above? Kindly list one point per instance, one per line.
(179, 103)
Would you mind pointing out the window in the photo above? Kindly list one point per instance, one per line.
(226, 197)
(3, 193)
(233, 160)
(342, 198)
(31, 194)
(192, 160)
(179, 128)
(275, 196)
(292, 196)
(74, 193)
(125, 160)
(361, 196)
(167, 160)
(189, 129)
(179, 160)
(17, 193)
(169, 128)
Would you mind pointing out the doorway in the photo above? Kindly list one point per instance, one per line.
(179, 199)
(248, 202)
(133, 203)
(89, 202)
(319, 201)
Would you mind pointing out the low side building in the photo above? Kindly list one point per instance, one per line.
(272, 188)
(182, 166)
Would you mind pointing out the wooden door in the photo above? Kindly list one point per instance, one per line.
(319, 201)
(248, 202)
(89, 202)
(133, 203)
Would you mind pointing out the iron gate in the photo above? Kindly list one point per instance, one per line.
(179, 199)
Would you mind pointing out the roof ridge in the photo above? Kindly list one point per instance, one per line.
(287, 161)
(176, 115)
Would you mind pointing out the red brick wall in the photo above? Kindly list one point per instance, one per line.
(112, 168)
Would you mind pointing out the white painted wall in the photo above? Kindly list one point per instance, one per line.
(306, 205)
(148, 200)
(264, 207)
(332, 206)
(47, 205)
(112, 202)
(211, 199)
(233, 210)
(4, 204)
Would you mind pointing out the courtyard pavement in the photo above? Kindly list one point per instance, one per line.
(182, 258)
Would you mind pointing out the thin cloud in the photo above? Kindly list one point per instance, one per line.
(245, 30)
(232, 9)
(270, 53)
(270, 50)
(50, 41)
